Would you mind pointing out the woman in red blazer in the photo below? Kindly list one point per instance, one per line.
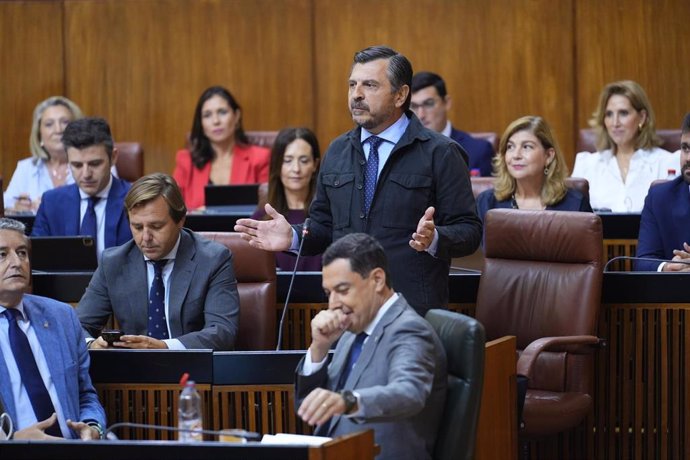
(220, 152)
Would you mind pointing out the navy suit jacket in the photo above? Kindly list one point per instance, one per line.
(59, 213)
(64, 346)
(664, 224)
(479, 151)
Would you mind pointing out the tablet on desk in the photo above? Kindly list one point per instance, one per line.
(63, 253)
(232, 195)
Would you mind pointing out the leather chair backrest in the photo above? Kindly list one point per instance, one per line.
(463, 340)
(542, 278)
(547, 264)
(2, 200)
(262, 138)
(490, 137)
(479, 184)
(130, 161)
(255, 271)
(587, 140)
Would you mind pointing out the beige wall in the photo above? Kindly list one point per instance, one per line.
(143, 63)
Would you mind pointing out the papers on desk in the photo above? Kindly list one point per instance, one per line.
(294, 439)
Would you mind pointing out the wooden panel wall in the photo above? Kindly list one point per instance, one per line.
(491, 54)
(31, 69)
(142, 64)
(641, 40)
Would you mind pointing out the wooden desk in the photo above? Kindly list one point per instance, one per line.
(356, 446)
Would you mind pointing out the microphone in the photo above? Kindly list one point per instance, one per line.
(305, 233)
(645, 259)
(248, 435)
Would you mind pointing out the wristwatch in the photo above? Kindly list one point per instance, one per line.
(350, 400)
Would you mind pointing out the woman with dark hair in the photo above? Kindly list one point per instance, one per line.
(220, 152)
(530, 172)
(294, 165)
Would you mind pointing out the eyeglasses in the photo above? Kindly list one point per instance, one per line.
(428, 104)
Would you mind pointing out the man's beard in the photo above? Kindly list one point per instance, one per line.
(685, 172)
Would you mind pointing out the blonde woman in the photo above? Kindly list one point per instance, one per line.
(47, 167)
(530, 172)
(628, 159)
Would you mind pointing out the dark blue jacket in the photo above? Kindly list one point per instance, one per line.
(479, 151)
(664, 224)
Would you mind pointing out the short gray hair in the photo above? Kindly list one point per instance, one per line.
(13, 225)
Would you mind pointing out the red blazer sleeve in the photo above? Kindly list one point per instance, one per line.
(191, 179)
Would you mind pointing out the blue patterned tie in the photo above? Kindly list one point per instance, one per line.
(157, 327)
(371, 172)
(88, 223)
(355, 351)
(28, 370)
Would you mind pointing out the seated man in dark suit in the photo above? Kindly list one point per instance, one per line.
(665, 221)
(168, 287)
(93, 204)
(44, 364)
(430, 102)
(388, 372)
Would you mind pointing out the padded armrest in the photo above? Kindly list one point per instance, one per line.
(570, 343)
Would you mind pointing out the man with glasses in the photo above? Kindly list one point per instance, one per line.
(431, 102)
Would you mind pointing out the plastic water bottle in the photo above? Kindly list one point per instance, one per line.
(189, 414)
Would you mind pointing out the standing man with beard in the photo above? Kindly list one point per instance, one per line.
(665, 221)
(391, 178)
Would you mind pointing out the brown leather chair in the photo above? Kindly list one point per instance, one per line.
(587, 140)
(542, 283)
(479, 184)
(255, 271)
(130, 161)
(262, 138)
(490, 137)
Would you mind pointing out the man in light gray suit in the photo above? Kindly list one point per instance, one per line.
(168, 288)
(388, 372)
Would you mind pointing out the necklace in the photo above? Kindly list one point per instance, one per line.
(513, 202)
(58, 173)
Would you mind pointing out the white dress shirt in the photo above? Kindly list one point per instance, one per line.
(173, 344)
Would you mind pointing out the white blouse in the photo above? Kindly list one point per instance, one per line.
(32, 178)
(607, 191)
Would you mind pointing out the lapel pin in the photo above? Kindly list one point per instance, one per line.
(45, 324)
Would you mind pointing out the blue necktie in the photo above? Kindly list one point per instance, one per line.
(157, 327)
(355, 351)
(28, 370)
(88, 223)
(371, 172)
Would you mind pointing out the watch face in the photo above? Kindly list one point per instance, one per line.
(350, 400)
